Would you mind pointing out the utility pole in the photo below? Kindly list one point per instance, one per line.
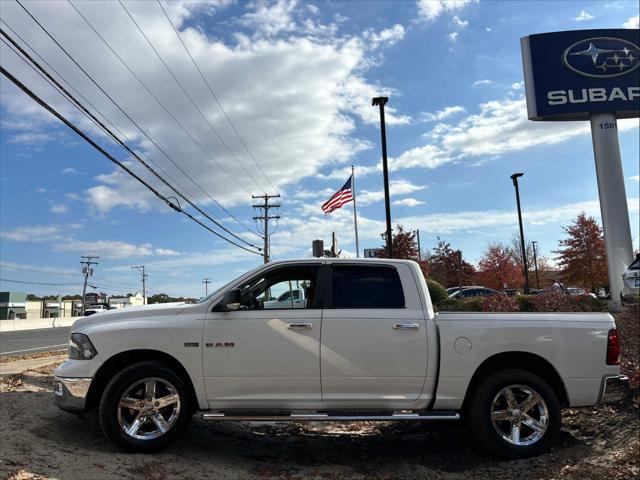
(206, 282)
(535, 263)
(459, 269)
(381, 101)
(144, 279)
(419, 252)
(266, 206)
(86, 271)
(525, 267)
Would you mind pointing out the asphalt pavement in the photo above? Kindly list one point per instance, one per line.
(33, 341)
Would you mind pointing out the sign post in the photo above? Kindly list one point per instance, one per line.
(591, 75)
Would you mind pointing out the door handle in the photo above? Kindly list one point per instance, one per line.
(406, 326)
(299, 326)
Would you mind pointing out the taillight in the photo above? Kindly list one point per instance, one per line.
(613, 348)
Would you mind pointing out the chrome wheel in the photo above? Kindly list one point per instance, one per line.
(519, 415)
(148, 408)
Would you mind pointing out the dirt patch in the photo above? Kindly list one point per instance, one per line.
(38, 441)
(32, 356)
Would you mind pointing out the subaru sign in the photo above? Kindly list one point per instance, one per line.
(572, 75)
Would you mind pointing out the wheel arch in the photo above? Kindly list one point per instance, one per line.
(522, 360)
(123, 359)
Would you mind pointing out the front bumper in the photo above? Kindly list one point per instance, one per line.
(614, 388)
(71, 393)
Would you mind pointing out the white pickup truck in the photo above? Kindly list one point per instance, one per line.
(367, 345)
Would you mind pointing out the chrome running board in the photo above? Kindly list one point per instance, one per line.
(326, 417)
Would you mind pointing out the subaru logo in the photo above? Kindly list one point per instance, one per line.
(601, 57)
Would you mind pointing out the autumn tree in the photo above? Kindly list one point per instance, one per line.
(405, 246)
(498, 268)
(443, 265)
(582, 256)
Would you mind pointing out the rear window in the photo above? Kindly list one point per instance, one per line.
(367, 287)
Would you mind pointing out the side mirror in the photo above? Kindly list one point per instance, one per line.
(231, 300)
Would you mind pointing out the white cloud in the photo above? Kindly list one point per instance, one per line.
(69, 170)
(488, 29)
(109, 249)
(388, 36)
(482, 82)
(453, 36)
(633, 22)
(635, 177)
(38, 233)
(313, 9)
(584, 17)
(408, 202)
(459, 22)
(59, 208)
(396, 187)
(445, 223)
(517, 85)
(290, 96)
(270, 19)
(441, 114)
(432, 9)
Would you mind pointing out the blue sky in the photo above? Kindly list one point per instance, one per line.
(296, 79)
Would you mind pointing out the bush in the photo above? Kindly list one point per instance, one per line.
(437, 292)
(526, 303)
(469, 305)
(499, 303)
(590, 304)
(559, 302)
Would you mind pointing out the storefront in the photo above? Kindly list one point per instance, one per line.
(13, 305)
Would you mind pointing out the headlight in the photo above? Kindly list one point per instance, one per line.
(80, 347)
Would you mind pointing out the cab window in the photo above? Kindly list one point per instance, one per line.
(283, 288)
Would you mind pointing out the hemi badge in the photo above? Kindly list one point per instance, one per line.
(191, 344)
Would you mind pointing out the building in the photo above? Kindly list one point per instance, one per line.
(124, 302)
(13, 305)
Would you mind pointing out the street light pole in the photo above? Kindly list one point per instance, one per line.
(535, 264)
(381, 101)
(515, 177)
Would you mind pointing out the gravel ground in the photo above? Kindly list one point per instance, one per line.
(38, 441)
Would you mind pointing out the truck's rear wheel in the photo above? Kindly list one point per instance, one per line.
(514, 413)
(145, 407)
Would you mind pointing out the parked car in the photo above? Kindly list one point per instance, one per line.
(471, 292)
(368, 346)
(93, 309)
(631, 279)
(579, 292)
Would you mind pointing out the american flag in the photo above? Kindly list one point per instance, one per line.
(342, 196)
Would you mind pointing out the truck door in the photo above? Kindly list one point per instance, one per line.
(374, 341)
(267, 354)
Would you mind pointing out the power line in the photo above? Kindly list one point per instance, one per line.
(84, 110)
(143, 85)
(128, 116)
(60, 88)
(9, 267)
(39, 283)
(79, 132)
(215, 97)
(175, 78)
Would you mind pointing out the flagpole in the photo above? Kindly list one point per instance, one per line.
(355, 215)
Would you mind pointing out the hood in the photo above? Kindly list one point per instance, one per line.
(129, 313)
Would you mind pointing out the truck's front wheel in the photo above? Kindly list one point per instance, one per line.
(514, 413)
(145, 407)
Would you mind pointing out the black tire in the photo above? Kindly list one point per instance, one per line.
(490, 436)
(166, 380)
